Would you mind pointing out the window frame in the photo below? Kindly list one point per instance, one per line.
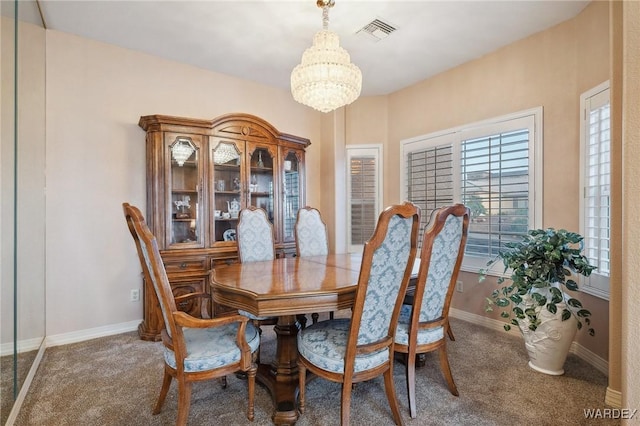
(602, 289)
(361, 150)
(457, 135)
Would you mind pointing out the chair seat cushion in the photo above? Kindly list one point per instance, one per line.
(324, 345)
(424, 336)
(209, 348)
(251, 316)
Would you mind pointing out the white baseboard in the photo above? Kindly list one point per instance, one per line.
(583, 353)
(25, 345)
(17, 404)
(91, 333)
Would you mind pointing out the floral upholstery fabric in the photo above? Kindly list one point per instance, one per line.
(424, 336)
(443, 259)
(209, 348)
(255, 237)
(324, 344)
(311, 234)
(255, 243)
(387, 270)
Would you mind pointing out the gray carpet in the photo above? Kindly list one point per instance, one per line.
(115, 381)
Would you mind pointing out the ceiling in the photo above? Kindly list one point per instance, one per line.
(263, 40)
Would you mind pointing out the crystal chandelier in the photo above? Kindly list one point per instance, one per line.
(326, 79)
(181, 151)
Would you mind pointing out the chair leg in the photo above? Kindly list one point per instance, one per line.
(166, 383)
(184, 399)
(345, 403)
(302, 374)
(251, 384)
(314, 317)
(391, 395)
(446, 370)
(223, 382)
(411, 384)
(450, 332)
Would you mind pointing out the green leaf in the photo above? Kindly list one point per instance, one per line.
(507, 327)
(551, 307)
(571, 285)
(502, 302)
(583, 313)
(566, 314)
(592, 332)
(505, 314)
(575, 303)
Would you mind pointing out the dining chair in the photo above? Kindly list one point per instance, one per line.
(352, 350)
(195, 349)
(310, 233)
(254, 235)
(423, 324)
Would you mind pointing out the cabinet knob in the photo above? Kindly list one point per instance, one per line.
(183, 265)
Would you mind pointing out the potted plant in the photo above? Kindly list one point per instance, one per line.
(534, 297)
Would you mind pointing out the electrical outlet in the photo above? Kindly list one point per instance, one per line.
(459, 286)
(135, 295)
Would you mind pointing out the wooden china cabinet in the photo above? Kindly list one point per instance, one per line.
(200, 173)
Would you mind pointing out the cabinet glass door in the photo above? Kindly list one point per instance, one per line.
(291, 195)
(185, 218)
(227, 189)
(261, 181)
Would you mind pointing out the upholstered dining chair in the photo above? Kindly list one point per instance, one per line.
(311, 238)
(254, 235)
(422, 325)
(352, 350)
(195, 349)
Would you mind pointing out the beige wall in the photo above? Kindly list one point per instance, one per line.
(549, 69)
(96, 160)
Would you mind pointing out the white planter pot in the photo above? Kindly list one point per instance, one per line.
(548, 346)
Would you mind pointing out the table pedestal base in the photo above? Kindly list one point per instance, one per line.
(281, 377)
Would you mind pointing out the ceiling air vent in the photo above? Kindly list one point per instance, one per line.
(377, 29)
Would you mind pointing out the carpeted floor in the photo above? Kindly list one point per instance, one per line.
(115, 381)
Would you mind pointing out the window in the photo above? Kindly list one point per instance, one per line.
(493, 167)
(595, 177)
(364, 197)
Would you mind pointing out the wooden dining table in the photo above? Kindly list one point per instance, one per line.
(284, 288)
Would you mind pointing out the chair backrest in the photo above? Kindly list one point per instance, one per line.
(440, 260)
(153, 267)
(310, 233)
(255, 236)
(387, 261)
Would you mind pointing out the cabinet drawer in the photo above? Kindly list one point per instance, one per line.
(198, 308)
(186, 265)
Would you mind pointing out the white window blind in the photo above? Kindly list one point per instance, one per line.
(493, 167)
(495, 185)
(363, 192)
(596, 187)
(430, 179)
